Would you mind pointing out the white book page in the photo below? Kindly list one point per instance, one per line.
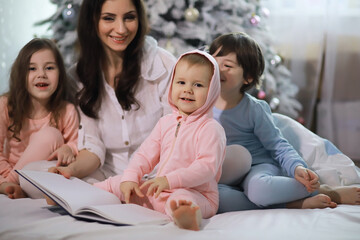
(130, 214)
(75, 192)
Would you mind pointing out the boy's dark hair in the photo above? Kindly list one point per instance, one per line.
(248, 53)
(18, 97)
(92, 57)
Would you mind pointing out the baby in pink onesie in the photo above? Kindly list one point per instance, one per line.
(187, 146)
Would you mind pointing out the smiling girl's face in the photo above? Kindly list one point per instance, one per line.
(43, 76)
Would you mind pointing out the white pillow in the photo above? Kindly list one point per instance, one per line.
(333, 167)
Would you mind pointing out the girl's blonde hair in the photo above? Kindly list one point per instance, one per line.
(197, 59)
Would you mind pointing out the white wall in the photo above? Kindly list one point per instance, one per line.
(17, 18)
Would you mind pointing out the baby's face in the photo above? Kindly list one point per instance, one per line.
(190, 86)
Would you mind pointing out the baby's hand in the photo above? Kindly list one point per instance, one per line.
(64, 156)
(128, 188)
(308, 178)
(156, 185)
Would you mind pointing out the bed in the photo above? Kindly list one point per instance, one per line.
(34, 219)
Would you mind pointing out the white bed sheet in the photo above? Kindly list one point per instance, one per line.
(32, 219)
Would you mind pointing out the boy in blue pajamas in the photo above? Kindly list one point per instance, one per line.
(278, 176)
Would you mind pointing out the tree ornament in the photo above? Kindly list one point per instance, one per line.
(275, 61)
(265, 12)
(69, 15)
(274, 103)
(255, 19)
(192, 14)
(301, 120)
(170, 47)
(69, 12)
(261, 95)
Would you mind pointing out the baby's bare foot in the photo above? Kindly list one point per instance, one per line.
(185, 215)
(342, 195)
(14, 191)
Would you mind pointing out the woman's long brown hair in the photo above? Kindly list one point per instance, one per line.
(92, 56)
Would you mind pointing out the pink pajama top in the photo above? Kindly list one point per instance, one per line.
(189, 150)
(11, 149)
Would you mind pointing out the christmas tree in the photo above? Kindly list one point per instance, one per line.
(182, 25)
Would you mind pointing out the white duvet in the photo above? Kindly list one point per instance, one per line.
(333, 167)
(34, 219)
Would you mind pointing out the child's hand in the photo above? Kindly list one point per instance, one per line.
(308, 178)
(128, 188)
(64, 156)
(156, 185)
(65, 171)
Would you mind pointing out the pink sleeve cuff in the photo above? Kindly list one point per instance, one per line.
(173, 180)
(130, 176)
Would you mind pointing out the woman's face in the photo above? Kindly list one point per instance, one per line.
(118, 24)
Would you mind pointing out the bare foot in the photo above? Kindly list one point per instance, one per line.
(185, 215)
(14, 191)
(317, 201)
(342, 195)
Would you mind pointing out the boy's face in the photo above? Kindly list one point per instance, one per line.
(231, 73)
(190, 86)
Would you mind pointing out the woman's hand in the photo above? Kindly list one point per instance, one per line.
(63, 154)
(128, 188)
(156, 186)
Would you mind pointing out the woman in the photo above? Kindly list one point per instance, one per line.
(123, 76)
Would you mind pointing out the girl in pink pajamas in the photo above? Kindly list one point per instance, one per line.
(36, 123)
(187, 146)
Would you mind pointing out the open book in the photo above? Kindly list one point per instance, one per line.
(85, 201)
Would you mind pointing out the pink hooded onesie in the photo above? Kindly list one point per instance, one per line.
(189, 151)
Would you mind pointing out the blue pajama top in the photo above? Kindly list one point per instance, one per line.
(251, 125)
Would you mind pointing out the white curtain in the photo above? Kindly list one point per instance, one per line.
(319, 41)
(339, 108)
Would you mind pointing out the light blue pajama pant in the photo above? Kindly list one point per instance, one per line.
(263, 187)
